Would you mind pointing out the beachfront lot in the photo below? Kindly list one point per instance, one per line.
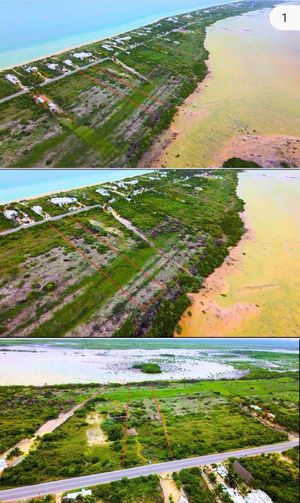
(103, 105)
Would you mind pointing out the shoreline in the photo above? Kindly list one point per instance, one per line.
(50, 193)
(108, 37)
(270, 149)
(215, 284)
(247, 296)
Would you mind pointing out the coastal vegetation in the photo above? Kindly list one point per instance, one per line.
(200, 418)
(140, 490)
(24, 409)
(106, 108)
(121, 258)
(148, 368)
(277, 476)
(192, 482)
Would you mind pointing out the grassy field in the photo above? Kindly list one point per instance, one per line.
(111, 112)
(90, 273)
(23, 410)
(200, 418)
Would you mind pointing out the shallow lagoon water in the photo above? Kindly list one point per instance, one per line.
(38, 366)
(257, 291)
(250, 95)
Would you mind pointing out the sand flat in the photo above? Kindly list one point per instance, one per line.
(248, 103)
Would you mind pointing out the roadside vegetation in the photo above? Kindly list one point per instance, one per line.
(277, 475)
(192, 482)
(140, 490)
(24, 409)
(200, 418)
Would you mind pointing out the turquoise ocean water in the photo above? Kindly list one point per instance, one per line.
(20, 184)
(30, 29)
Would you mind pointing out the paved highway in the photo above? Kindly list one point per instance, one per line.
(59, 486)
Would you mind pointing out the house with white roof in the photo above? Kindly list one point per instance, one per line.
(258, 497)
(52, 66)
(69, 62)
(13, 79)
(74, 496)
(11, 214)
(61, 201)
(3, 464)
(31, 69)
(82, 55)
(103, 192)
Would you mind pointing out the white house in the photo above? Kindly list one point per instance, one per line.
(83, 492)
(258, 497)
(107, 47)
(52, 66)
(61, 201)
(37, 209)
(69, 62)
(12, 78)
(31, 69)
(82, 55)
(53, 107)
(11, 214)
(3, 464)
(103, 192)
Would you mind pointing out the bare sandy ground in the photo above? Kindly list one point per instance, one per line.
(169, 488)
(268, 151)
(95, 434)
(27, 444)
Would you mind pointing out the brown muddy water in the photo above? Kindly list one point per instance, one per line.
(256, 292)
(247, 107)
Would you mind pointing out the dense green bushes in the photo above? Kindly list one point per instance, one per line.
(140, 490)
(148, 368)
(194, 486)
(278, 478)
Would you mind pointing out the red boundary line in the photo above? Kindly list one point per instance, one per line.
(117, 93)
(149, 304)
(126, 83)
(126, 427)
(116, 285)
(159, 283)
(161, 419)
(119, 287)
